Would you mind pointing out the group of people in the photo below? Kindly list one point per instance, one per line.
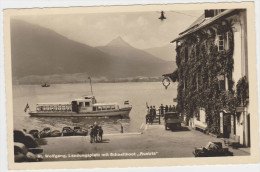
(96, 133)
(151, 112)
(166, 108)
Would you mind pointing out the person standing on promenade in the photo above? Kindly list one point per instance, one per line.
(153, 114)
(170, 108)
(147, 114)
(100, 133)
(154, 111)
(166, 108)
(95, 131)
(151, 110)
(173, 108)
(162, 109)
(122, 129)
(148, 110)
(91, 134)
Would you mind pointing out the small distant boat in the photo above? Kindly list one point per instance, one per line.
(45, 85)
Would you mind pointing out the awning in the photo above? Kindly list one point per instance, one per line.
(240, 109)
(173, 76)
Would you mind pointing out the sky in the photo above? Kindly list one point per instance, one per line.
(140, 29)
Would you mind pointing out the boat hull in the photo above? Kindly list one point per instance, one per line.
(123, 112)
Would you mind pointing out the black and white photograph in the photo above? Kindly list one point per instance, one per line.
(160, 82)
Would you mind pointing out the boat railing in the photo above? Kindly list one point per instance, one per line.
(54, 108)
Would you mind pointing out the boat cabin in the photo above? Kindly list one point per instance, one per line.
(82, 105)
(89, 104)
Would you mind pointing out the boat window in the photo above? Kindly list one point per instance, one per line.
(94, 108)
(55, 108)
(99, 108)
(108, 107)
(59, 107)
(113, 107)
(104, 108)
(80, 104)
(86, 104)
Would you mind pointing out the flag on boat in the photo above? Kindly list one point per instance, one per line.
(26, 107)
(126, 102)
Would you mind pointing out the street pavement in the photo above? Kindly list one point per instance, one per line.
(187, 139)
(153, 142)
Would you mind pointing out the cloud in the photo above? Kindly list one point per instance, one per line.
(140, 29)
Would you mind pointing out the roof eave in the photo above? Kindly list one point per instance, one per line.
(200, 27)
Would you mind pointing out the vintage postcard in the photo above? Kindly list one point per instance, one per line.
(131, 86)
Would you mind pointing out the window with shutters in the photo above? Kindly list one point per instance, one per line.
(186, 54)
(221, 42)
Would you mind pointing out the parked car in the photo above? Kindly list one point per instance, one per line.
(34, 133)
(78, 131)
(55, 133)
(67, 131)
(46, 132)
(172, 120)
(212, 149)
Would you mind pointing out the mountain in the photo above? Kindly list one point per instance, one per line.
(38, 51)
(119, 48)
(166, 52)
(118, 42)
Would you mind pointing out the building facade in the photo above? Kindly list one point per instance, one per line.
(212, 74)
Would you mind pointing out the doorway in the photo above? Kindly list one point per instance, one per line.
(226, 125)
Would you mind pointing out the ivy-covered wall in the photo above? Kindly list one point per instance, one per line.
(201, 70)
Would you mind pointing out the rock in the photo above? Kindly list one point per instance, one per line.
(39, 157)
(35, 150)
(29, 141)
(20, 148)
(19, 157)
(31, 157)
(19, 135)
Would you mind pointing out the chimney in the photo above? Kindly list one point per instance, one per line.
(209, 13)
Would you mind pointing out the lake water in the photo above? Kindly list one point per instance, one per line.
(138, 93)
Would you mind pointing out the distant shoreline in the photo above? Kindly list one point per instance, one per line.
(87, 83)
(39, 80)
